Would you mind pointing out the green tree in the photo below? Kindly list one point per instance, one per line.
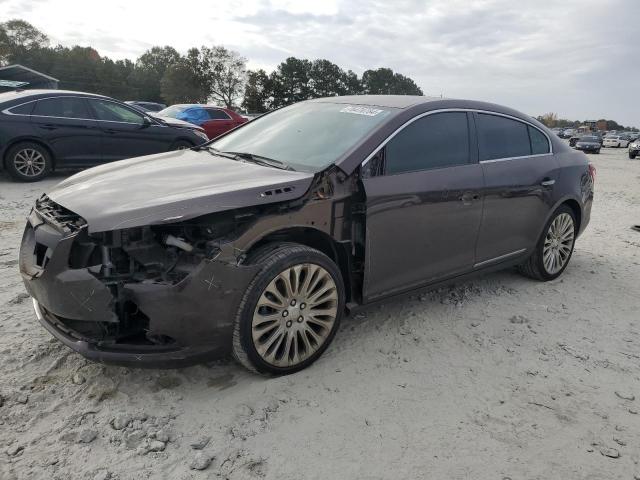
(181, 83)
(224, 73)
(18, 38)
(326, 79)
(258, 92)
(384, 81)
(353, 83)
(291, 81)
(149, 70)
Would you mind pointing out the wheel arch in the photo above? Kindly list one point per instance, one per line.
(314, 238)
(16, 141)
(573, 204)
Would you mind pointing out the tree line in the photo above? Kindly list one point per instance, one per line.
(551, 120)
(206, 74)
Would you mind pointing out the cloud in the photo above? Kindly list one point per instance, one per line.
(576, 58)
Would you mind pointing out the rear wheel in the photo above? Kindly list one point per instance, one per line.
(555, 247)
(290, 312)
(28, 162)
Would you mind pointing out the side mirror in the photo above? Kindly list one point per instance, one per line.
(146, 121)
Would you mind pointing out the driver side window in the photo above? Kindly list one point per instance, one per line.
(112, 112)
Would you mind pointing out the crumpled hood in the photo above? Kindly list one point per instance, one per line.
(171, 187)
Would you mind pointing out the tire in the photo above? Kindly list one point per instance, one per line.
(598, 151)
(632, 155)
(535, 266)
(279, 348)
(28, 162)
(181, 145)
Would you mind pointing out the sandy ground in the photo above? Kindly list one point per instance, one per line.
(499, 378)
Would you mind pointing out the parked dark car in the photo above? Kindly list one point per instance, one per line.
(589, 143)
(214, 120)
(634, 149)
(258, 242)
(146, 106)
(43, 130)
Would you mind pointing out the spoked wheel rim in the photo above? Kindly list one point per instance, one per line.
(558, 243)
(295, 315)
(29, 162)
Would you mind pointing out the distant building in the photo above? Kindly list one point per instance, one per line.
(19, 76)
(601, 125)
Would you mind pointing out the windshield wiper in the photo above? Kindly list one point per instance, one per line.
(260, 160)
(215, 151)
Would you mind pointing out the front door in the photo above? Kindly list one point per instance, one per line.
(218, 122)
(520, 173)
(423, 205)
(125, 132)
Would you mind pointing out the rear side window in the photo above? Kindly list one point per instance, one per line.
(434, 141)
(500, 137)
(539, 142)
(24, 109)
(62, 107)
(194, 115)
(215, 114)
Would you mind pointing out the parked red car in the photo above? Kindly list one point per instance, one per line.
(214, 120)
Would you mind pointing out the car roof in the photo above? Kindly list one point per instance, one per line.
(389, 101)
(26, 94)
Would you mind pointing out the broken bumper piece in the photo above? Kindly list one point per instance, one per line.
(152, 356)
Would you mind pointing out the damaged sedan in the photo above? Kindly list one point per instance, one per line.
(258, 242)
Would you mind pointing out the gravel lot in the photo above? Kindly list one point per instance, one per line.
(499, 378)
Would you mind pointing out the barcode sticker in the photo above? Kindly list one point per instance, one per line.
(368, 111)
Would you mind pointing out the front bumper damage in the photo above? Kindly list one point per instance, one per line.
(136, 321)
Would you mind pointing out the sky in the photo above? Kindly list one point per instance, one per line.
(577, 58)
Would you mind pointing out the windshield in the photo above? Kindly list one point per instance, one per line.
(589, 139)
(172, 111)
(307, 136)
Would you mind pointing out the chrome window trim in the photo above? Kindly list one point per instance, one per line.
(7, 111)
(472, 110)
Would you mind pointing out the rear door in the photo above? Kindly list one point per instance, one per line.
(423, 205)
(520, 172)
(218, 123)
(126, 133)
(68, 127)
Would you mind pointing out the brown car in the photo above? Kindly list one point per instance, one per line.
(258, 242)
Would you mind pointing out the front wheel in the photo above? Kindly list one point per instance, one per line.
(632, 155)
(181, 145)
(28, 162)
(554, 248)
(290, 311)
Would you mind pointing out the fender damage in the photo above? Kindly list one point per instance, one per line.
(162, 294)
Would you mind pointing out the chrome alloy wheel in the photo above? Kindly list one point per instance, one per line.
(558, 243)
(294, 315)
(29, 162)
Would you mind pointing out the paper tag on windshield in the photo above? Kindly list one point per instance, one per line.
(368, 111)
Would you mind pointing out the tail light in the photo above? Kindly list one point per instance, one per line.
(592, 172)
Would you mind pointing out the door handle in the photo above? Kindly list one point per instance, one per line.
(468, 197)
(48, 126)
(547, 182)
